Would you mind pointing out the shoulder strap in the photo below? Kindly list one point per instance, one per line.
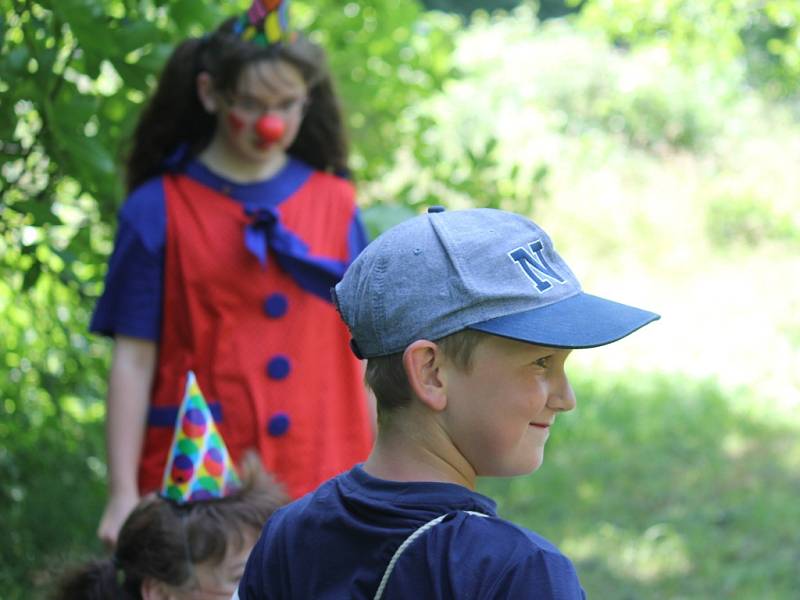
(407, 542)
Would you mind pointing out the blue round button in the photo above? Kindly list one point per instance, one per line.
(276, 305)
(278, 367)
(278, 424)
(435, 209)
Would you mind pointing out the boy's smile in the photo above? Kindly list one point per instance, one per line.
(499, 412)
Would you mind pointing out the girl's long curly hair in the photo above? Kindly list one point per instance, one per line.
(175, 118)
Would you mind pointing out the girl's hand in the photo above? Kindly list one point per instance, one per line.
(118, 507)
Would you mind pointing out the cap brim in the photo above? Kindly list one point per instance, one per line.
(580, 321)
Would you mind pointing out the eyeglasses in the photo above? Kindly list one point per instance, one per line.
(255, 108)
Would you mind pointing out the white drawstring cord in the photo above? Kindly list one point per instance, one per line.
(408, 541)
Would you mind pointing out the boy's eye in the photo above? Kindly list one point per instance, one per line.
(543, 362)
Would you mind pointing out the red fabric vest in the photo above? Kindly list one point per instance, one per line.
(287, 384)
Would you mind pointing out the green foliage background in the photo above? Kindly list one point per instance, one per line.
(497, 109)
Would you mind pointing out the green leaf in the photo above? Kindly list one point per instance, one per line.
(154, 60)
(132, 36)
(2, 29)
(74, 109)
(39, 210)
(95, 155)
(91, 27)
(86, 154)
(31, 275)
(92, 61)
(134, 76)
(187, 14)
(18, 59)
(46, 58)
(117, 108)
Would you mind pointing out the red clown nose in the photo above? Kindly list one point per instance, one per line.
(270, 128)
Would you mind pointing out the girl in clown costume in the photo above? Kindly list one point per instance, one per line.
(237, 224)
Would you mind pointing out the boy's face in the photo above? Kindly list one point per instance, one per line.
(500, 411)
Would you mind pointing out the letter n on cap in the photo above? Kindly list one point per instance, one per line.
(534, 263)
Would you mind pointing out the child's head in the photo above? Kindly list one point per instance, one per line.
(474, 313)
(207, 79)
(167, 550)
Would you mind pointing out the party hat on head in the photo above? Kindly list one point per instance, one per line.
(266, 22)
(199, 466)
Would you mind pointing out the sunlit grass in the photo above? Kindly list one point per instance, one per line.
(654, 554)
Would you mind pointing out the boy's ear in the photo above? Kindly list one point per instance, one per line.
(422, 361)
(206, 93)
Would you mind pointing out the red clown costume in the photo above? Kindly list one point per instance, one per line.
(232, 281)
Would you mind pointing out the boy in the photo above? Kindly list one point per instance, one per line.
(466, 319)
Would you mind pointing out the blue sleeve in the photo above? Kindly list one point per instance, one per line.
(131, 303)
(487, 558)
(551, 575)
(357, 238)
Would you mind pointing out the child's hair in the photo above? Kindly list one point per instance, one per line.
(163, 540)
(386, 375)
(174, 116)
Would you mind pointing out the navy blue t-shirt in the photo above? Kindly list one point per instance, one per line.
(337, 542)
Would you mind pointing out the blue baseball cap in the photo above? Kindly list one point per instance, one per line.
(483, 269)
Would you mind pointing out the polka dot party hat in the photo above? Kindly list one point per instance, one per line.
(199, 466)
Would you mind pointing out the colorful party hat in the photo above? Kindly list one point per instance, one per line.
(199, 466)
(265, 23)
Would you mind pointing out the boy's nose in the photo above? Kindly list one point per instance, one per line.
(562, 397)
